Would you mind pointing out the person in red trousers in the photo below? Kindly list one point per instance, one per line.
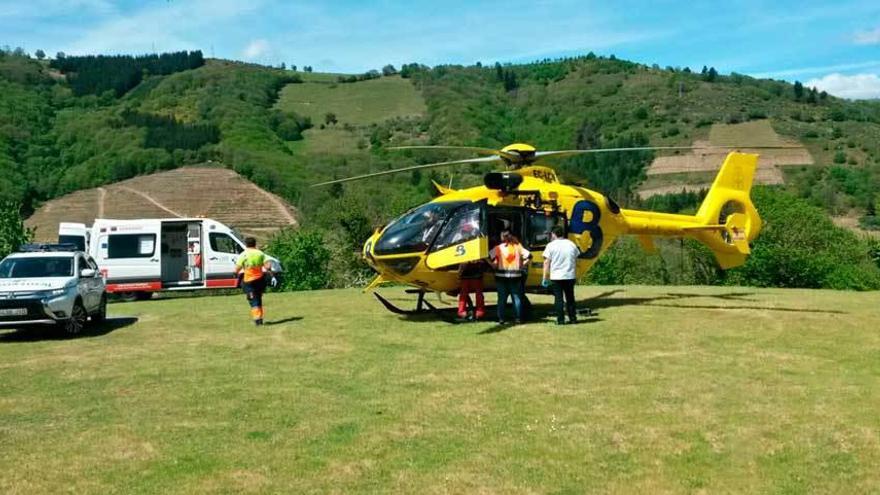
(470, 276)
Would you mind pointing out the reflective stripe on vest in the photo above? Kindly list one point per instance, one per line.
(509, 261)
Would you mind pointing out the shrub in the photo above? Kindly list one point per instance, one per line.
(303, 256)
(799, 246)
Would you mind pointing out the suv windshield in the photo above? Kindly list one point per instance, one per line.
(40, 267)
(414, 231)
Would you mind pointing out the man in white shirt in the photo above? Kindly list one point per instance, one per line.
(560, 263)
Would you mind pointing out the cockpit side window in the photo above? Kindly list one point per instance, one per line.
(415, 231)
(462, 226)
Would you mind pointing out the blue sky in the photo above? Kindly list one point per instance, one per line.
(833, 45)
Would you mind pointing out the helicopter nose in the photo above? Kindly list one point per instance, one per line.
(367, 252)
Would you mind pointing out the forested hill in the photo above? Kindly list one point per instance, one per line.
(79, 122)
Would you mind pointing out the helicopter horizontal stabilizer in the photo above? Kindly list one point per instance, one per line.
(648, 245)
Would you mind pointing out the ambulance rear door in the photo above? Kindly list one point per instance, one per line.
(128, 255)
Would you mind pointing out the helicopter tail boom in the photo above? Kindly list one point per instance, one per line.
(726, 221)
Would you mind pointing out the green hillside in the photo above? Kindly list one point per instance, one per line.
(779, 394)
(275, 127)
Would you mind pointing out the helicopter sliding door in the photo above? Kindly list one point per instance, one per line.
(462, 239)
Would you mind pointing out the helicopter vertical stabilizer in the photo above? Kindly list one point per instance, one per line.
(728, 215)
(726, 221)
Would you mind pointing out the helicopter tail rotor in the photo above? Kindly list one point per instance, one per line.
(730, 220)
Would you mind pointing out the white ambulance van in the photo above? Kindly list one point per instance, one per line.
(139, 257)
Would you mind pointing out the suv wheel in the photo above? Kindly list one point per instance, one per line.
(77, 320)
(101, 314)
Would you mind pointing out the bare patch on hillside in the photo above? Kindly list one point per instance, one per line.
(755, 133)
(852, 223)
(210, 192)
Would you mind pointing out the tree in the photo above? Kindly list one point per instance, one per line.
(13, 233)
(798, 90)
(389, 70)
(330, 118)
(293, 67)
(283, 66)
(712, 75)
(40, 54)
(812, 96)
(60, 55)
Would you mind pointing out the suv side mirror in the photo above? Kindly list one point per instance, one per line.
(87, 273)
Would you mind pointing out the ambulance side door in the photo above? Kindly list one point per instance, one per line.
(219, 256)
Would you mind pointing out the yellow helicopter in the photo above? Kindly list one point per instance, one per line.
(424, 247)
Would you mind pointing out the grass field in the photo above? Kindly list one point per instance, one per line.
(359, 103)
(667, 390)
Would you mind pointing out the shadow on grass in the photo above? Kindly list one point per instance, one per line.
(540, 317)
(40, 333)
(283, 321)
(604, 300)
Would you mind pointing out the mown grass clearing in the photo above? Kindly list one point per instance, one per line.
(669, 389)
(359, 103)
(330, 141)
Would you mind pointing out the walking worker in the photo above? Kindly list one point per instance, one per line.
(251, 263)
(560, 263)
(509, 260)
(470, 276)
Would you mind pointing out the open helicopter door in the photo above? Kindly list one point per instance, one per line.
(464, 238)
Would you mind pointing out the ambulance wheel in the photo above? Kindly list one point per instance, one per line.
(132, 296)
(127, 296)
(143, 296)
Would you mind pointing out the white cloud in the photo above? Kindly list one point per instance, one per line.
(255, 49)
(857, 86)
(168, 26)
(871, 37)
(817, 70)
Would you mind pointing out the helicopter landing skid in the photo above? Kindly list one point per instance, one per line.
(422, 306)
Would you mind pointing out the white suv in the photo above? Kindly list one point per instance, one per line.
(51, 284)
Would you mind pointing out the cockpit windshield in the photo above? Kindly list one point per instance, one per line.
(414, 231)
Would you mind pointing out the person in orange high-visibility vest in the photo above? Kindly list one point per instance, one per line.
(251, 263)
(509, 259)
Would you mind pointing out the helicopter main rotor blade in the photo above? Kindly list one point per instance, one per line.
(483, 159)
(564, 153)
(474, 149)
